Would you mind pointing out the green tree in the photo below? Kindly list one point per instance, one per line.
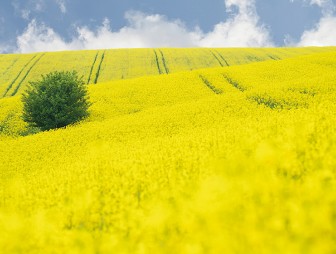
(55, 101)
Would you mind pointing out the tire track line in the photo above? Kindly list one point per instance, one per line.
(157, 62)
(234, 83)
(164, 63)
(16, 78)
(222, 57)
(210, 86)
(99, 67)
(219, 61)
(25, 76)
(92, 66)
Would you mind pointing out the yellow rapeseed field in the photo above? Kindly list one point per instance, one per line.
(224, 159)
(105, 65)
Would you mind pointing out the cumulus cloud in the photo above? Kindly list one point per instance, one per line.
(142, 31)
(324, 32)
(39, 37)
(242, 29)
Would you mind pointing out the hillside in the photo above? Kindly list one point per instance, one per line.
(106, 65)
(238, 159)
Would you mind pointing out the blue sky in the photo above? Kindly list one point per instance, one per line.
(51, 25)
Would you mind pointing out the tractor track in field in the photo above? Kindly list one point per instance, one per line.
(276, 104)
(92, 66)
(210, 86)
(99, 67)
(216, 57)
(164, 63)
(222, 57)
(254, 59)
(157, 62)
(25, 76)
(234, 83)
(274, 57)
(16, 78)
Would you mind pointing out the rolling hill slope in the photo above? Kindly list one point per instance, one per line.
(106, 65)
(217, 160)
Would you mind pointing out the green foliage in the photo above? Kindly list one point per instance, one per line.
(55, 101)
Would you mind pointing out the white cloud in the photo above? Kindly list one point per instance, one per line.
(39, 37)
(61, 5)
(241, 30)
(324, 32)
(142, 31)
